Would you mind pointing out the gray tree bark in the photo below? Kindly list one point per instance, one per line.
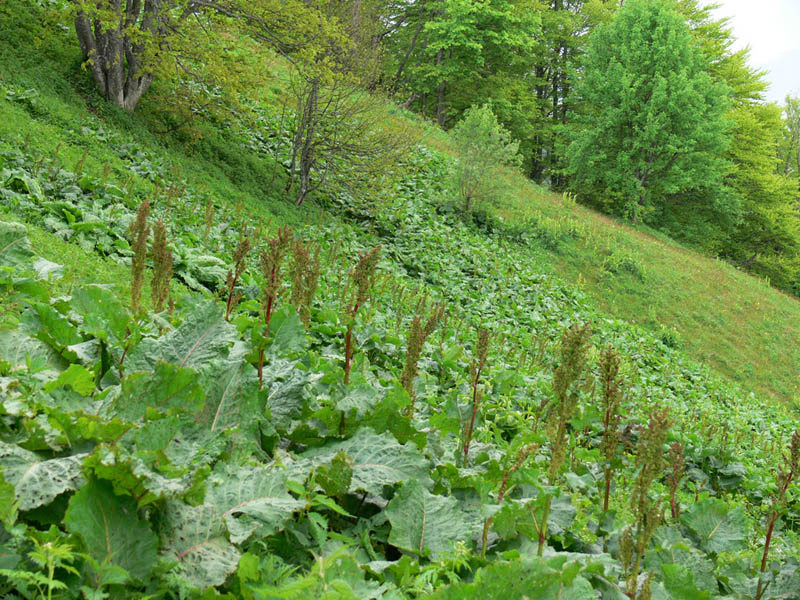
(115, 60)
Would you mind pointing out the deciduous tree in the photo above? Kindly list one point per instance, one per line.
(651, 144)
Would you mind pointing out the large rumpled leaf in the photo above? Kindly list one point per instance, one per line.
(680, 583)
(167, 457)
(194, 538)
(539, 578)
(716, 527)
(671, 548)
(288, 392)
(111, 530)
(76, 377)
(425, 523)
(377, 460)
(286, 331)
(517, 515)
(232, 395)
(251, 499)
(168, 387)
(8, 502)
(46, 323)
(15, 249)
(16, 348)
(203, 336)
(104, 317)
(38, 481)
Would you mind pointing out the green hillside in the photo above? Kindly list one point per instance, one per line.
(345, 453)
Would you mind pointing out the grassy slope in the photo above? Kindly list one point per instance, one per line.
(734, 323)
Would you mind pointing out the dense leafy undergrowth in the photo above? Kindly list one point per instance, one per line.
(358, 452)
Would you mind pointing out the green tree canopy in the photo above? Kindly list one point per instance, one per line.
(651, 143)
(483, 145)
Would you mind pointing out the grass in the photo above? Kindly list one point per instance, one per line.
(735, 323)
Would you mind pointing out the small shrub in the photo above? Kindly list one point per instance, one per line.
(620, 262)
(483, 146)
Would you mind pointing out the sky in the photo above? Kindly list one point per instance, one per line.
(772, 30)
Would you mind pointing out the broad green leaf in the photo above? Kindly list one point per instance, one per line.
(167, 387)
(48, 270)
(335, 477)
(8, 502)
(15, 249)
(522, 516)
(76, 377)
(251, 499)
(203, 336)
(16, 348)
(532, 578)
(111, 530)
(288, 392)
(37, 481)
(286, 331)
(194, 539)
(426, 524)
(103, 315)
(671, 548)
(716, 527)
(679, 582)
(377, 460)
(786, 583)
(232, 395)
(357, 401)
(46, 323)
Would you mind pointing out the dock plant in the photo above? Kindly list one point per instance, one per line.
(566, 379)
(271, 270)
(239, 264)
(362, 278)
(646, 509)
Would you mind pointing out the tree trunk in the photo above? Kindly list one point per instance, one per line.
(307, 151)
(113, 57)
(440, 89)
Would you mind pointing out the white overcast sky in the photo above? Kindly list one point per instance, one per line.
(772, 30)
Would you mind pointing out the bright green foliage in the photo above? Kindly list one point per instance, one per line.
(767, 240)
(194, 538)
(38, 481)
(425, 523)
(15, 248)
(377, 460)
(650, 144)
(265, 492)
(110, 529)
(453, 54)
(790, 144)
(483, 147)
(716, 527)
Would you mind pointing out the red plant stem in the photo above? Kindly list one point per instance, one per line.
(608, 470)
(267, 318)
(772, 518)
(230, 297)
(673, 505)
(488, 523)
(471, 428)
(348, 346)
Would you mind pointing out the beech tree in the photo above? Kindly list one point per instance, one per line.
(127, 44)
(790, 145)
(651, 144)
